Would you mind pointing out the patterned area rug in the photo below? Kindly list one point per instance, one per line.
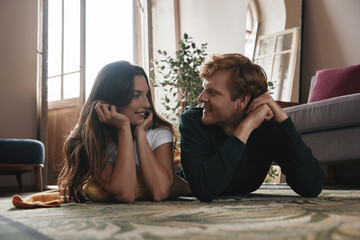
(272, 212)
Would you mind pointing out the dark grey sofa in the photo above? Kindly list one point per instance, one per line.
(331, 128)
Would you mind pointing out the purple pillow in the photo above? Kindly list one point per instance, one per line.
(335, 82)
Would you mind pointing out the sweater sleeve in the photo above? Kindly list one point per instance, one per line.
(208, 173)
(302, 170)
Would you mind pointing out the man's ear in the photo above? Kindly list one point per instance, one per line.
(242, 102)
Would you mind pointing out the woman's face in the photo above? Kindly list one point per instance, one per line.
(137, 109)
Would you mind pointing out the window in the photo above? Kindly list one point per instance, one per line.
(109, 35)
(64, 44)
(94, 32)
(277, 55)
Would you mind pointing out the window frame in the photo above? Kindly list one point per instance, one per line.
(293, 51)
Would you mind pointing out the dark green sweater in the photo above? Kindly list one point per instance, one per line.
(217, 164)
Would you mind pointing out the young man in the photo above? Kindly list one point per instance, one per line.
(227, 146)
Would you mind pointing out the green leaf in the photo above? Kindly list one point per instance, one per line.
(182, 46)
(178, 105)
(182, 73)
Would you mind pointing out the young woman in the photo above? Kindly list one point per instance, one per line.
(119, 135)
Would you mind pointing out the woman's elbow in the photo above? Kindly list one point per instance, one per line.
(126, 197)
(161, 194)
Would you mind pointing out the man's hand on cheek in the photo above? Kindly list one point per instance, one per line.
(258, 115)
(278, 114)
(252, 121)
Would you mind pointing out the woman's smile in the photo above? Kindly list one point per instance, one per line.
(141, 114)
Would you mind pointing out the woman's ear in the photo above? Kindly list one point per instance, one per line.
(242, 102)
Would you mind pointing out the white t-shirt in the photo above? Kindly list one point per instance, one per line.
(155, 138)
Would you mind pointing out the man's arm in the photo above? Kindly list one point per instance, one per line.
(252, 121)
(208, 173)
(303, 172)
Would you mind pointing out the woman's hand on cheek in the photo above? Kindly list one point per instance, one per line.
(146, 124)
(148, 121)
(108, 114)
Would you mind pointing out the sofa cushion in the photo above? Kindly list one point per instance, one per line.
(331, 113)
(335, 82)
(21, 151)
(336, 145)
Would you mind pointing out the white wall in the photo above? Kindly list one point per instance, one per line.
(163, 38)
(272, 21)
(220, 23)
(18, 33)
(331, 37)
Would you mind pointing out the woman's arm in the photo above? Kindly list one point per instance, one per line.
(156, 165)
(119, 178)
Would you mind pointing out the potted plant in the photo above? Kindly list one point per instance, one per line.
(180, 78)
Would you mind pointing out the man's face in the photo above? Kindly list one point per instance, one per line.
(219, 109)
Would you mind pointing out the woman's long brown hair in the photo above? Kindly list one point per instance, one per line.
(86, 146)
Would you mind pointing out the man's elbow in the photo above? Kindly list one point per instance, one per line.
(206, 199)
(311, 189)
(201, 192)
(311, 193)
(203, 196)
(315, 187)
